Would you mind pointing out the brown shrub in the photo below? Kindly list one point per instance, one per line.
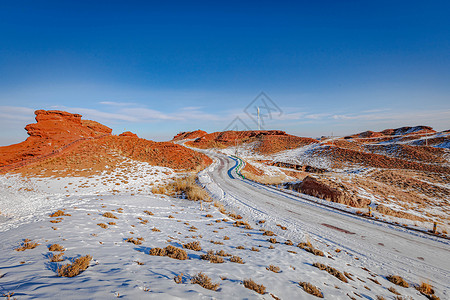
(226, 238)
(57, 257)
(222, 253)
(27, 244)
(213, 258)
(310, 248)
(179, 278)
(204, 281)
(259, 288)
(78, 266)
(282, 227)
(109, 215)
(208, 216)
(216, 242)
(188, 188)
(289, 243)
(156, 229)
(273, 240)
(268, 233)
(274, 269)
(148, 212)
(59, 213)
(112, 223)
(393, 290)
(102, 225)
(255, 249)
(240, 247)
(55, 247)
(137, 241)
(236, 259)
(311, 289)
(193, 246)
(331, 271)
(425, 288)
(170, 251)
(397, 280)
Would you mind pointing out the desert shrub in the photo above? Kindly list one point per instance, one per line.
(102, 225)
(274, 269)
(179, 278)
(397, 280)
(213, 258)
(259, 288)
(240, 247)
(255, 249)
(268, 233)
(137, 241)
(425, 288)
(393, 290)
(188, 188)
(311, 289)
(205, 282)
(208, 216)
(112, 223)
(78, 266)
(59, 213)
(193, 246)
(109, 215)
(216, 242)
(56, 257)
(170, 217)
(282, 227)
(310, 248)
(226, 238)
(55, 247)
(273, 240)
(27, 244)
(156, 229)
(331, 271)
(170, 251)
(222, 253)
(289, 243)
(148, 212)
(236, 259)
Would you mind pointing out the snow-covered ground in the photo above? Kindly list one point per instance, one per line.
(124, 270)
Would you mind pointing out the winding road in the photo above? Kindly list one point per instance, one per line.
(375, 244)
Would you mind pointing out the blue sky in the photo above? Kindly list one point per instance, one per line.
(158, 69)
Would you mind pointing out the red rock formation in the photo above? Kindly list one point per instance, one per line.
(128, 134)
(187, 135)
(53, 130)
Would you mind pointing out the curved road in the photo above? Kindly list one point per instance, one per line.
(375, 244)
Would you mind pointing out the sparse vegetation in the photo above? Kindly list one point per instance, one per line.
(109, 215)
(310, 248)
(236, 259)
(59, 213)
(393, 290)
(148, 212)
(259, 288)
(187, 188)
(78, 266)
(274, 269)
(179, 278)
(27, 244)
(205, 282)
(213, 258)
(56, 257)
(137, 241)
(193, 246)
(102, 225)
(311, 289)
(170, 251)
(331, 271)
(397, 280)
(56, 247)
(268, 233)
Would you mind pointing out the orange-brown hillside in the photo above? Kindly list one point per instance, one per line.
(270, 141)
(62, 141)
(187, 135)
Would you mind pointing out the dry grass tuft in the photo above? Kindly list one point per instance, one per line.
(311, 289)
(268, 233)
(289, 243)
(57, 257)
(156, 229)
(148, 212)
(259, 288)
(240, 247)
(170, 251)
(179, 278)
(137, 241)
(213, 258)
(102, 225)
(236, 259)
(109, 215)
(273, 240)
(310, 248)
(274, 269)
(331, 271)
(188, 188)
(112, 223)
(393, 290)
(193, 246)
(226, 238)
(222, 253)
(204, 281)
(208, 216)
(27, 244)
(425, 288)
(255, 249)
(397, 280)
(56, 247)
(78, 266)
(59, 213)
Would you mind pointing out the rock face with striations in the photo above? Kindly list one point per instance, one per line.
(53, 129)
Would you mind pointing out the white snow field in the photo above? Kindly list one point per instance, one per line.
(367, 251)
